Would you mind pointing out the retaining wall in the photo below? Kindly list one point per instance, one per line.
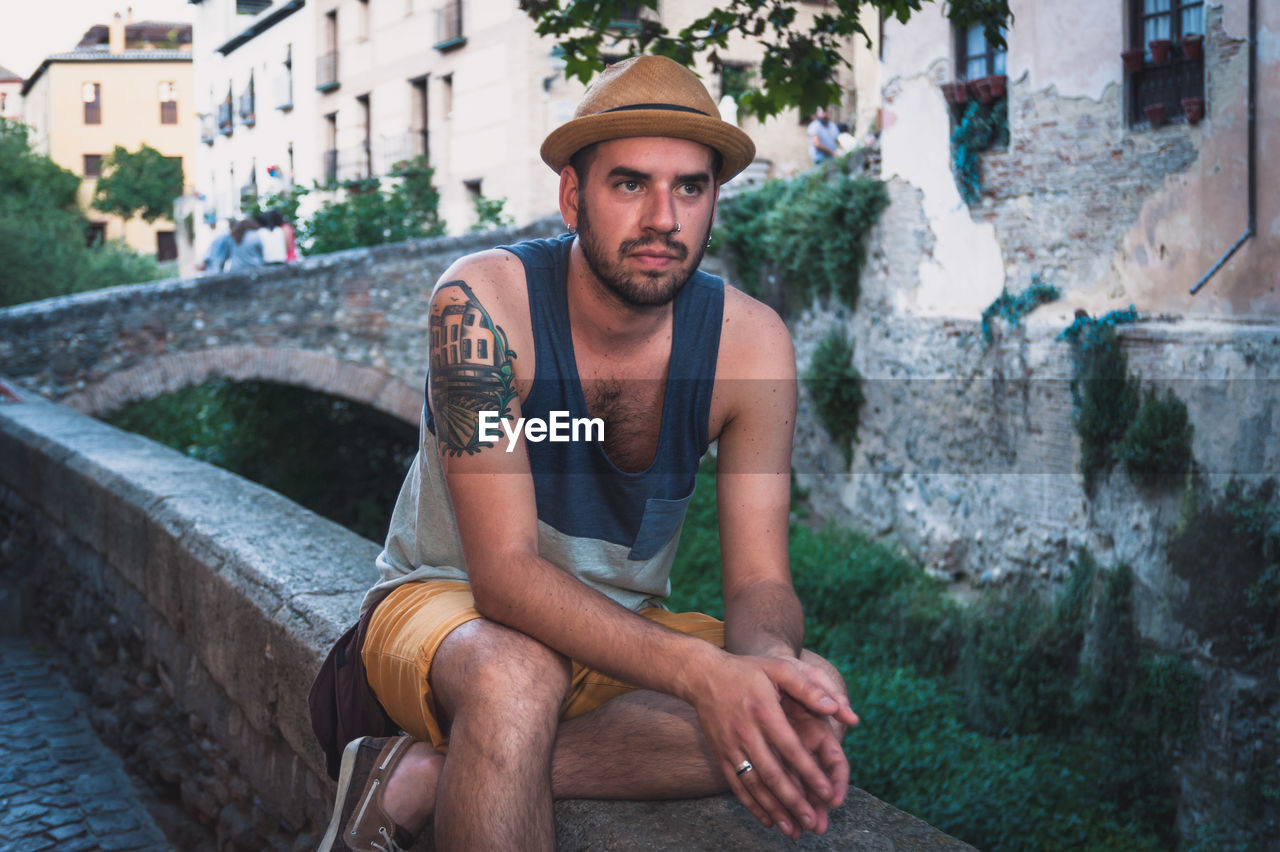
(230, 595)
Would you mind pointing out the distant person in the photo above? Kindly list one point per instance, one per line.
(823, 136)
(216, 256)
(245, 246)
(275, 243)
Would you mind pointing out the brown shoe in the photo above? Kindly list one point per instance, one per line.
(359, 822)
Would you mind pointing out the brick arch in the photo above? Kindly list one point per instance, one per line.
(317, 371)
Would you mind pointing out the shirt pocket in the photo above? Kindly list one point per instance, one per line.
(659, 523)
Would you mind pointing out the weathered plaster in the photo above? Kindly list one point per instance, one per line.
(1064, 46)
(966, 260)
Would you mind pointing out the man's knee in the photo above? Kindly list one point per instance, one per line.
(487, 670)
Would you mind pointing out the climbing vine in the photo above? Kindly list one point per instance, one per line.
(1013, 307)
(981, 128)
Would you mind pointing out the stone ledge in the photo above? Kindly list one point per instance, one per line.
(197, 559)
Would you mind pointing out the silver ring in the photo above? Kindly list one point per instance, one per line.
(744, 767)
(677, 227)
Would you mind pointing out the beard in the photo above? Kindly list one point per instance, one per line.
(646, 289)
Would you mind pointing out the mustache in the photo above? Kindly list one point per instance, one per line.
(666, 244)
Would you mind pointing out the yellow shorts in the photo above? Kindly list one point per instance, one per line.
(411, 622)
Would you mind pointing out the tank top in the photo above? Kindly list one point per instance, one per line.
(616, 531)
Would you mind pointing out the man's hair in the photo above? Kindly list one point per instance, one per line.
(583, 158)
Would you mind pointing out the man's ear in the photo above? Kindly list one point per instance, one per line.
(569, 196)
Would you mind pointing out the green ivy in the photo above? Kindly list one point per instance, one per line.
(836, 388)
(981, 128)
(807, 234)
(1012, 308)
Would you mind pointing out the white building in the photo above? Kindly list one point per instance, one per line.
(255, 90)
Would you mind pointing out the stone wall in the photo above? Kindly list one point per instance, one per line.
(197, 606)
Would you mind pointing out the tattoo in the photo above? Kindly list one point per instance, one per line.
(470, 368)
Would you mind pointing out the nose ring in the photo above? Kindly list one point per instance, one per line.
(677, 227)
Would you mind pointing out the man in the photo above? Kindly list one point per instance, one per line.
(824, 136)
(518, 637)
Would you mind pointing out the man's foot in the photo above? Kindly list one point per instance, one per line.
(360, 820)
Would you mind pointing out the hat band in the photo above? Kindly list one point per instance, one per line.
(676, 107)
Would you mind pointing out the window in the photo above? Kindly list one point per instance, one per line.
(91, 94)
(331, 148)
(92, 165)
(1174, 72)
(284, 85)
(327, 62)
(366, 144)
(248, 112)
(3, 97)
(449, 26)
(362, 22)
(420, 123)
(95, 233)
(975, 57)
(735, 79)
(168, 94)
(166, 246)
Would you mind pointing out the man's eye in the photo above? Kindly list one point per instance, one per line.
(691, 189)
(629, 185)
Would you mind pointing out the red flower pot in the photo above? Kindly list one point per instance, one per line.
(1133, 60)
(957, 93)
(997, 84)
(1160, 50)
(1193, 109)
(1155, 114)
(982, 88)
(1193, 46)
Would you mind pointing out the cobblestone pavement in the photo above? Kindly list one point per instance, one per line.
(61, 789)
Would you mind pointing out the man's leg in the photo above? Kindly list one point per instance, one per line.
(642, 745)
(500, 694)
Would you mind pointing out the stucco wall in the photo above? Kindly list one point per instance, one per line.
(1110, 214)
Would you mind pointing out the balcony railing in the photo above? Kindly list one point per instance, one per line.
(393, 150)
(449, 26)
(225, 124)
(327, 72)
(247, 115)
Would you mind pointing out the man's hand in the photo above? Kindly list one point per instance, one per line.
(771, 711)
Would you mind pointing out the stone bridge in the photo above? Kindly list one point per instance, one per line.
(217, 598)
(352, 324)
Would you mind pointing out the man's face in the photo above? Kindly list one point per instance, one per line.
(628, 204)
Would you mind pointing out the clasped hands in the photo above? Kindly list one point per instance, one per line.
(784, 718)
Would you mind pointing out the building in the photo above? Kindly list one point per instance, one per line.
(255, 87)
(124, 84)
(467, 84)
(1126, 170)
(10, 95)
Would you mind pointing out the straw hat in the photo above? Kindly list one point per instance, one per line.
(649, 96)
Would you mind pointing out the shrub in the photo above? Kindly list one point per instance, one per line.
(836, 388)
(1016, 723)
(369, 214)
(1156, 448)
